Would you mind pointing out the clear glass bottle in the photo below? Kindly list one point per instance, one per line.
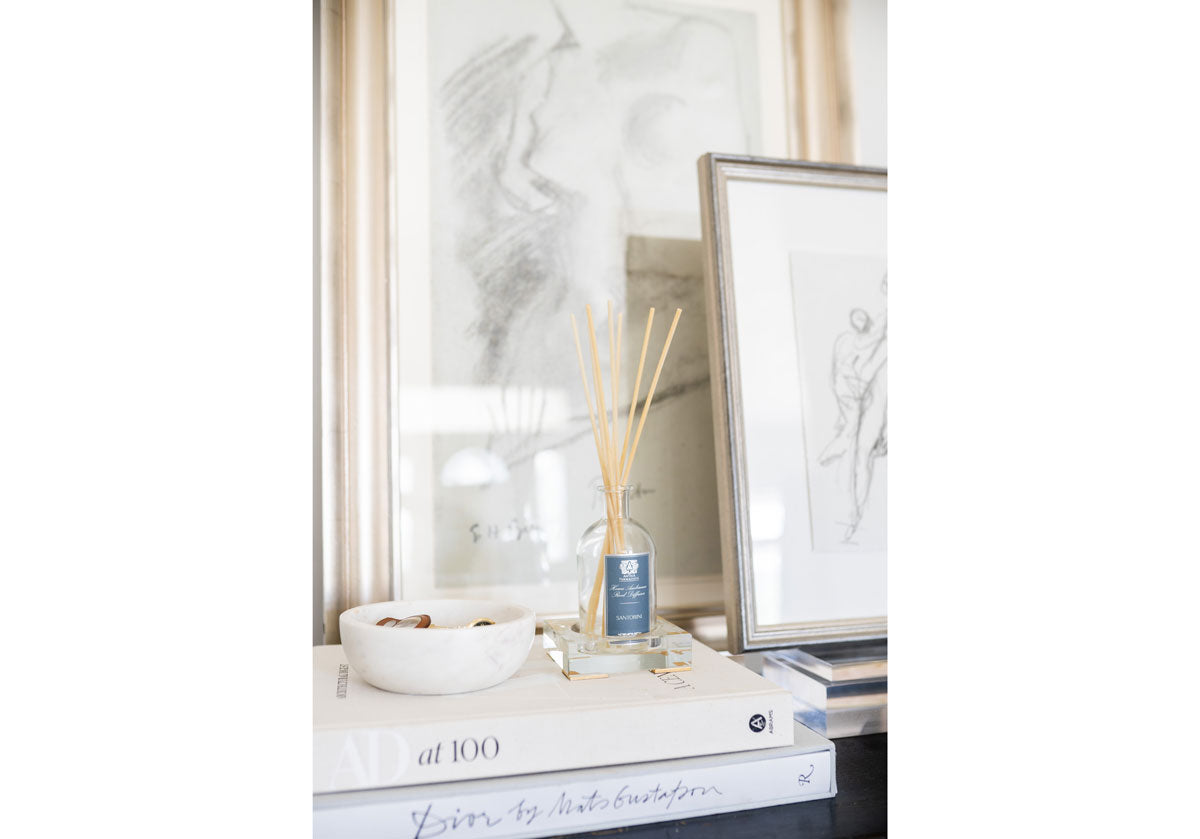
(616, 574)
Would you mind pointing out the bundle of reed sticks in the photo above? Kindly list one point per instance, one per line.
(616, 462)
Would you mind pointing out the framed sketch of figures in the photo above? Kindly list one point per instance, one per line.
(542, 160)
(796, 265)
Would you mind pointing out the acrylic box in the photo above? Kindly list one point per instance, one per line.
(664, 649)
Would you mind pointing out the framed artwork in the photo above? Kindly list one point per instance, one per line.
(796, 266)
(541, 156)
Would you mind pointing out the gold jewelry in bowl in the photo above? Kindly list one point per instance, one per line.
(411, 622)
(425, 622)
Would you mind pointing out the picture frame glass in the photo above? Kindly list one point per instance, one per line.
(544, 160)
(814, 394)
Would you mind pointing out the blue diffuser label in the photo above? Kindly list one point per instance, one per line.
(626, 594)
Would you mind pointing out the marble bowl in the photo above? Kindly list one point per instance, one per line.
(448, 657)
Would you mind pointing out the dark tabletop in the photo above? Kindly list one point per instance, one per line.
(858, 810)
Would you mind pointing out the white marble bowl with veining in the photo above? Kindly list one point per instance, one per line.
(448, 657)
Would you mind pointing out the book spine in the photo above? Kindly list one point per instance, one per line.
(547, 806)
(365, 758)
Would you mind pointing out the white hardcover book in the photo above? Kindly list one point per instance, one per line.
(554, 803)
(536, 721)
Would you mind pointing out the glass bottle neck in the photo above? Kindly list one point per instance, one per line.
(616, 501)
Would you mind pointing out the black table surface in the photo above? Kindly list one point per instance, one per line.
(858, 810)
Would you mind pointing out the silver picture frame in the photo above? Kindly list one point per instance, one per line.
(824, 576)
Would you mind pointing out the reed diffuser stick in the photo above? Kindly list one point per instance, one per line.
(650, 397)
(637, 390)
(605, 472)
(607, 469)
(614, 353)
(605, 454)
(615, 356)
(586, 393)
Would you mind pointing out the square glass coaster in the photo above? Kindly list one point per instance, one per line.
(664, 649)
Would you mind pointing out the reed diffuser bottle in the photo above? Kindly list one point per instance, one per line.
(616, 572)
(615, 554)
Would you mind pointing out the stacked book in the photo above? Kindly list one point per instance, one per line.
(538, 755)
(838, 689)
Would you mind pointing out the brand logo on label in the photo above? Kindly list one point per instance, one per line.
(758, 722)
(629, 566)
